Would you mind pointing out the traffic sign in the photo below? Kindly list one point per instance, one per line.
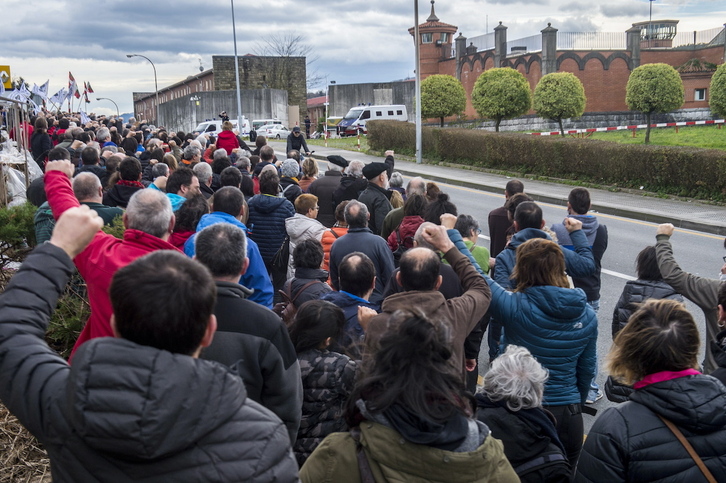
(5, 76)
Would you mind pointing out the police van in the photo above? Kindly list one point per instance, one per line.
(355, 121)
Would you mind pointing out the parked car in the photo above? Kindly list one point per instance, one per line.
(276, 131)
(215, 126)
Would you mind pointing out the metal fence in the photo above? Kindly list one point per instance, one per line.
(591, 40)
(714, 36)
(526, 44)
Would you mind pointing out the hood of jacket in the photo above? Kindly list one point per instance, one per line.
(429, 301)
(589, 228)
(265, 203)
(695, 403)
(219, 217)
(557, 302)
(300, 227)
(143, 403)
(526, 234)
(226, 135)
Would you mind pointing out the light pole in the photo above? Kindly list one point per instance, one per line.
(650, 22)
(327, 103)
(114, 103)
(156, 85)
(236, 73)
(418, 84)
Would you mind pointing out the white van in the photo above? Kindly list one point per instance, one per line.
(257, 123)
(215, 126)
(355, 121)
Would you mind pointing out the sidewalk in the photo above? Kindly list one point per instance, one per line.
(683, 214)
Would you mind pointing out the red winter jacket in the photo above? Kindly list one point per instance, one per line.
(227, 140)
(101, 258)
(407, 228)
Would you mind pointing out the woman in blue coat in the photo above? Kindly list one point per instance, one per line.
(558, 327)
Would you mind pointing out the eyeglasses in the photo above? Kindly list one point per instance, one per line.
(478, 232)
(724, 258)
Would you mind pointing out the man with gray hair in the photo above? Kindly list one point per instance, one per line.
(243, 164)
(325, 186)
(393, 219)
(250, 338)
(219, 153)
(149, 222)
(360, 238)
(352, 184)
(192, 155)
(103, 136)
(203, 172)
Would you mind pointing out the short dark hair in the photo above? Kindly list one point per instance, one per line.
(514, 186)
(219, 164)
(190, 212)
(465, 224)
(308, 254)
(419, 269)
(528, 215)
(222, 248)
(129, 169)
(356, 214)
(58, 154)
(89, 156)
(180, 177)
(185, 295)
(438, 207)
(230, 176)
(129, 145)
(579, 200)
(340, 210)
(267, 153)
(315, 321)
(228, 199)
(247, 186)
(514, 201)
(269, 183)
(646, 265)
(356, 273)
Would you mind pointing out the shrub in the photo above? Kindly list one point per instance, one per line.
(558, 96)
(501, 93)
(717, 99)
(682, 171)
(654, 88)
(442, 96)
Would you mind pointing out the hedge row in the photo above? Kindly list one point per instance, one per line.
(681, 171)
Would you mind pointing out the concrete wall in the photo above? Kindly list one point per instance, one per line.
(184, 113)
(596, 119)
(344, 96)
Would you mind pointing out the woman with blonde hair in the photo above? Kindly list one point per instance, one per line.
(310, 173)
(556, 324)
(673, 407)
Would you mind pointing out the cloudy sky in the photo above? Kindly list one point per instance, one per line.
(354, 41)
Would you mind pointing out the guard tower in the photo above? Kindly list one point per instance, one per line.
(656, 34)
(435, 42)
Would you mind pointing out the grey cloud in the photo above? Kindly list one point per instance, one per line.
(630, 9)
(575, 7)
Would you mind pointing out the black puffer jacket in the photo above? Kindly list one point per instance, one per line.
(718, 349)
(266, 223)
(126, 412)
(327, 382)
(630, 442)
(636, 292)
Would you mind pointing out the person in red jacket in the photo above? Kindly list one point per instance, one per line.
(149, 222)
(227, 139)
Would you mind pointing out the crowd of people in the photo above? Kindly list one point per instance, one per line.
(262, 321)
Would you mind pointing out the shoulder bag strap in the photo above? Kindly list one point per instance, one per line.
(689, 448)
(333, 232)
(366, 475)
(302, 289)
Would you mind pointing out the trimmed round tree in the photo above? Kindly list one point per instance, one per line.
(558, 96)
(442, 96)
(501, 93)
(717, 96)
(654, 88)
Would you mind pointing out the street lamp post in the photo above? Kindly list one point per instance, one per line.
(418, 83)
(114, 103)
(156, 85)
(650, 22)
(236, 73)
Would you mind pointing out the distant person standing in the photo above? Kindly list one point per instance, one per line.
(307, 127)
(296, 141)
(499, 222)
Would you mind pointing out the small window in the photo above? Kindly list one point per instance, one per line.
(366, 115)
(379, 114)
(700, 95)
(427, 38)
(444, 38)
(399, 112)
(390, 113)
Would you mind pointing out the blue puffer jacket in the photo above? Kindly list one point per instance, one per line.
(256, 277)
(267, 223)
(579, 263)
(560, 330)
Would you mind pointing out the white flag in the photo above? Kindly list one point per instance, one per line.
(84, 118)
(59, 96)
(41, 91)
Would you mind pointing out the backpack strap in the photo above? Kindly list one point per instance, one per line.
(334, 234)
(366, 475)
(302, 289)
(692, 452)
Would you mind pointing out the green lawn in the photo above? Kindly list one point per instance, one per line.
(710, 137)
(349, 143)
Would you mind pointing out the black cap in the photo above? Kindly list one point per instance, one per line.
(371, 170)
(296, 129)
(339, 160)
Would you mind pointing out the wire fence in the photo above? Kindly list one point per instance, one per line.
(714, 36)
(591, 40)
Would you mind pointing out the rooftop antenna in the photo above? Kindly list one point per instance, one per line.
(201, 68)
